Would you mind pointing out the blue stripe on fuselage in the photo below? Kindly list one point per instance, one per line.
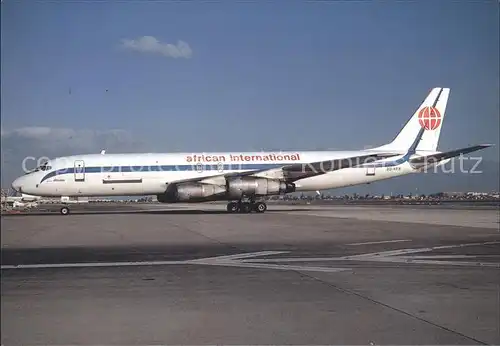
(162, 168)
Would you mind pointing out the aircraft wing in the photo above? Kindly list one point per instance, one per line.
(293, 172)
(436, 158)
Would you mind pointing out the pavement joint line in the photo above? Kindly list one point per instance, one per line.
(375, 301)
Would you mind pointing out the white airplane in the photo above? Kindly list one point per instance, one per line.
(242, 178)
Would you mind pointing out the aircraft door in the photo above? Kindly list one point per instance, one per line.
(199, 167)
(370, 170)
(79, 170)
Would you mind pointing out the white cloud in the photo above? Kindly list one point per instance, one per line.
(49, 134)
(38, 132)
(64, 140)
(150, 44)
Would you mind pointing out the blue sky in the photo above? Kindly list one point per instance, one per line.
(278, 75)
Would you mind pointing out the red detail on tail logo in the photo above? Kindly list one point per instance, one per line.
(429, 118)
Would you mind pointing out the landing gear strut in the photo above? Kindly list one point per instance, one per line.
(246, 207)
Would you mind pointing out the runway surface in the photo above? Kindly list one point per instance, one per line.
(294, 275)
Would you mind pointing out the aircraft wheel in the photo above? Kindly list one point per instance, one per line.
(246, 208)
(64, 211)
(260, 207)
(232, 207)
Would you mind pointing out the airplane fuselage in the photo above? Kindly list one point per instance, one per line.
(151, 173)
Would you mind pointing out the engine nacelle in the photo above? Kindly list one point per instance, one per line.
(249, 186)
(190, 192)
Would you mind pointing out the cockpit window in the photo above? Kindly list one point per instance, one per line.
(44, 167)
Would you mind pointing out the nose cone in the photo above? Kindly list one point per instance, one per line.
(17, 184)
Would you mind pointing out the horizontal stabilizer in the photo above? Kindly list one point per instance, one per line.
(435, 158)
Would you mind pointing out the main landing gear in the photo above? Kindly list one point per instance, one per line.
(246, 207)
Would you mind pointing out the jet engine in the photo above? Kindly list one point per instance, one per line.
(190, 192)
(250, 186)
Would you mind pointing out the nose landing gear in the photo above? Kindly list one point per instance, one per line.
(64, 211)
(246, 207)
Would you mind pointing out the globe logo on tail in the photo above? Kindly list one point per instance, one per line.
(429, 118)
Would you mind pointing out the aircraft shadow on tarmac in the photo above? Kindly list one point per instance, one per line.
(160, 212)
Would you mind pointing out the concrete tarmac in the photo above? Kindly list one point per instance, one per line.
(294, 275)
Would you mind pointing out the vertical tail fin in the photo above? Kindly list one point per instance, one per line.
(426, 122)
